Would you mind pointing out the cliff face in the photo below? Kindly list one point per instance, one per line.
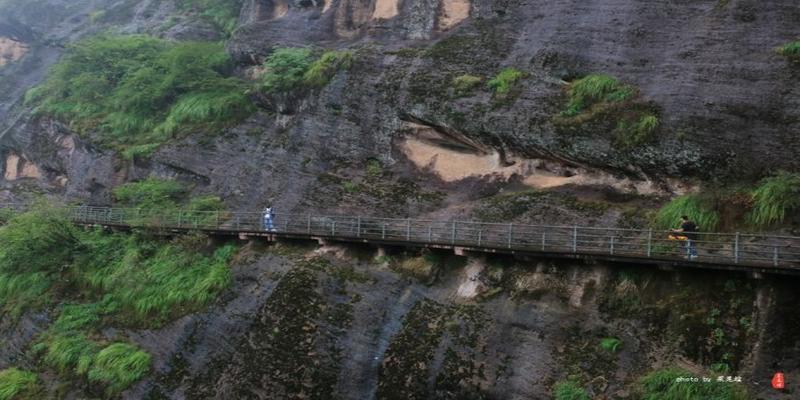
(725, 100)
(395, 135)
(333, 323)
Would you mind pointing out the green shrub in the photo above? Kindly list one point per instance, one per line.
(151, 193)
(775, 198)
(16, 384)
(222, 13)
(118, 366)
(610, 344)
(35, 247)
(636, 132)
(791, 51)
(286, 69)
(706, 218)
(321, 71)
(504, 81)
(569, 390)
(138, 92)
(465, 84)
(593, 89)
(662, 385)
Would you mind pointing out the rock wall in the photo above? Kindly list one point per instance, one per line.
(300, 323)
(726, 101)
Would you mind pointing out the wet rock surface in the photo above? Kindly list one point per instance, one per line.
(300, 324)
(714, 97)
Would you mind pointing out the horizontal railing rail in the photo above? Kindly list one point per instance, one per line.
(721, 248)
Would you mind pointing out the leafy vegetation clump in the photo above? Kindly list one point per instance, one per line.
(285, 69)
(775, 198)
(569, 390)
(612, 106)
(104, 280)
(631, 133)
(504, 81)
(17, 384)
(34, 248)
(151, 193)
(595, 89)
(705, 216)
(222, 13)
(118, 366)
(134, 93)
(465, 84)
(664, 385)
(292, 68)
(321, 71)
(612, 345)
(791, 51)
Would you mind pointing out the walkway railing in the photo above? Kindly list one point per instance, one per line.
(719, 248)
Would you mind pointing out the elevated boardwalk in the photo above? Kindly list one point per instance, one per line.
(744, 252)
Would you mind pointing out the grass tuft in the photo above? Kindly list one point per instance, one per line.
(612, 345)
(569, 390)
(774, 199)
(16, 384)
(638, 131)
(706, 217)
(71, 353)
(321, 71)
(504, 81)
(151, 193)
(594, 89)
(791, 51)
(662, 385)
(291, 68)
(286, 69)
(222, 13)
(466, 84)
(118, 366)
(133, 93)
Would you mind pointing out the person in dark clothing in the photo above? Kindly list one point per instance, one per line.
(689, 229)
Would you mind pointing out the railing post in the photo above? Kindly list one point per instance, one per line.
(333, 228)
(612, 245)
(510, 234)
(408, 230)
(430, 233)
(383, 230)
(453, 234)
(775, 256)
(358, 226)
(308, 224)
(736, 249)
(575, 239)
(480, 236)
(650, 242)
(238, 222)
